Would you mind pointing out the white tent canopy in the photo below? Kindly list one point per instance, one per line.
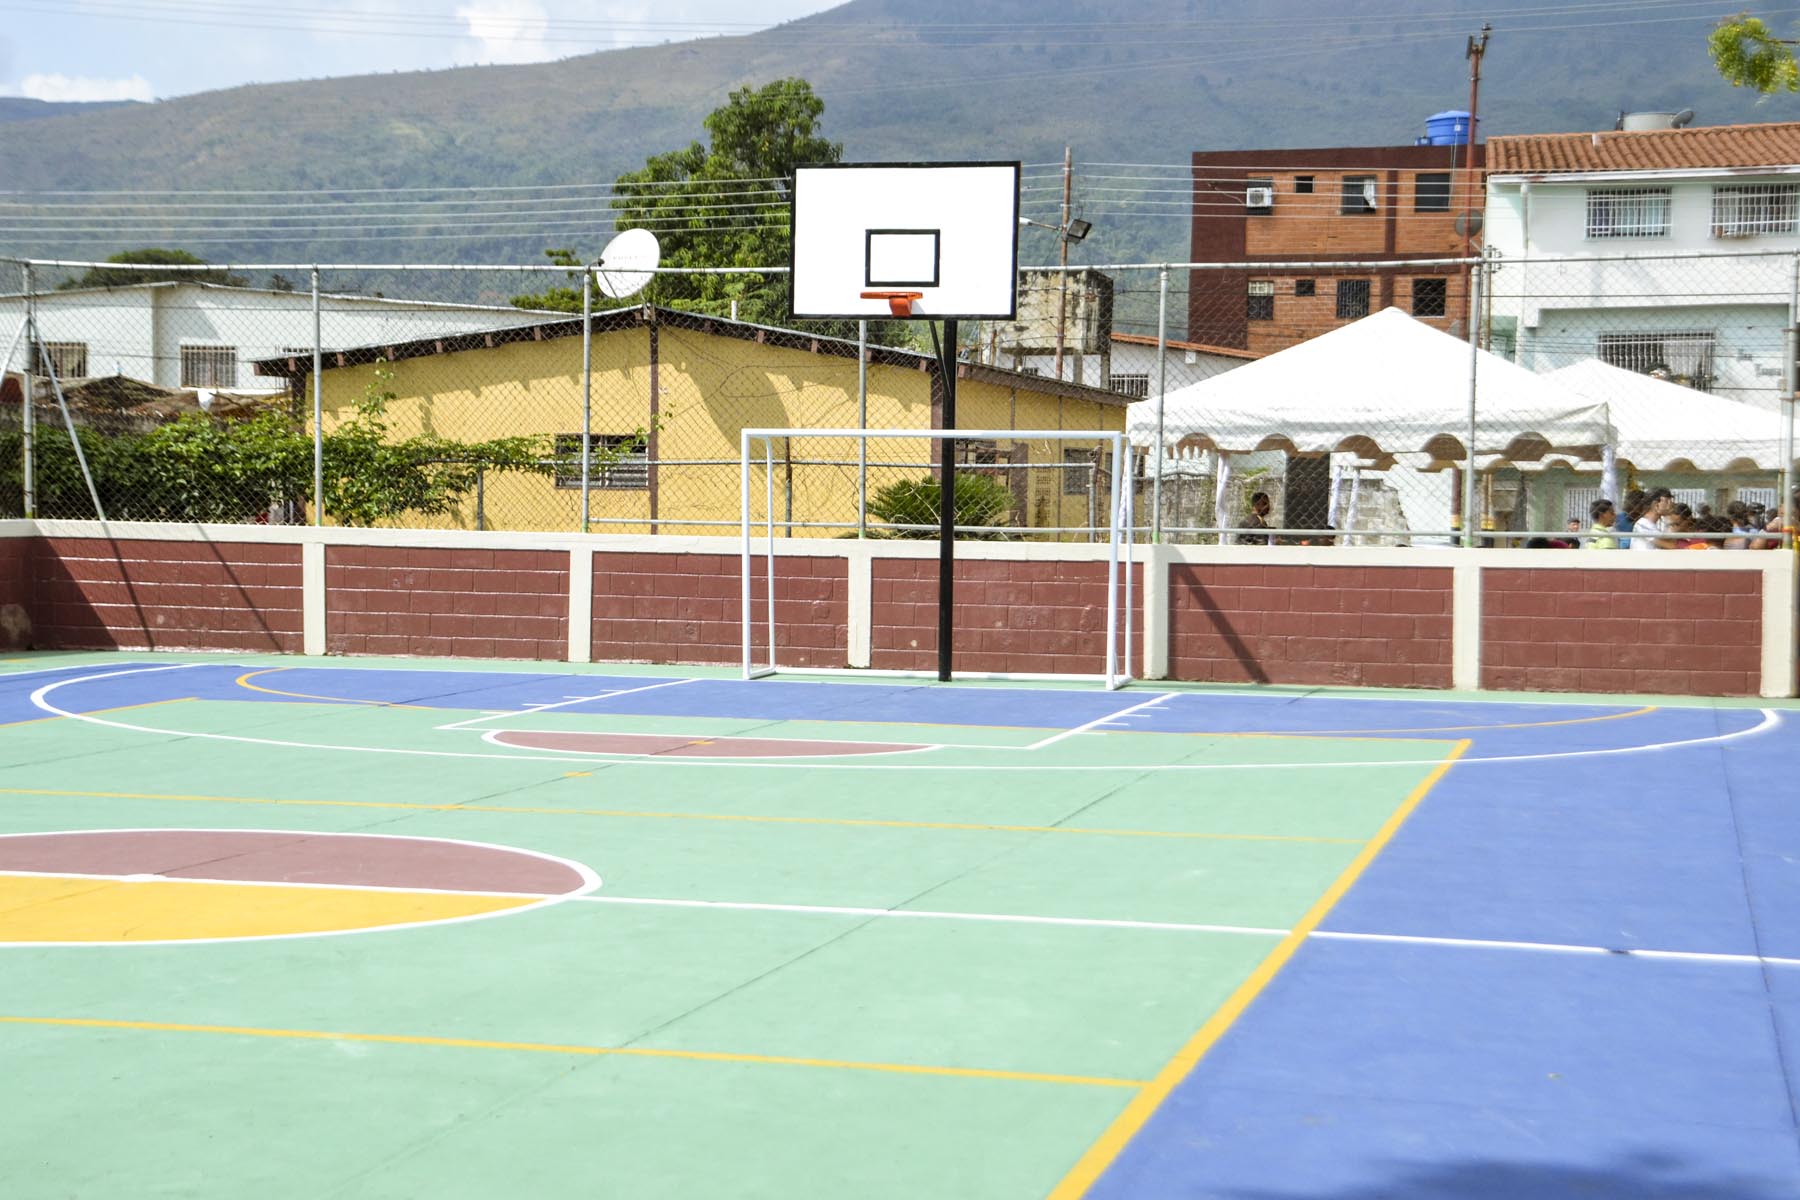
(1667, 427)
(1378, 387)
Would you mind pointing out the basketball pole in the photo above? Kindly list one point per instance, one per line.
(946, 353)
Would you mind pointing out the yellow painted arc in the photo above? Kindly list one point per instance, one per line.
(89, 909)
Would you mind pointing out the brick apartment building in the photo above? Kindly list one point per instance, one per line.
(1377, 204)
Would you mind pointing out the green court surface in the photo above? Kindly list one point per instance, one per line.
(950, 971)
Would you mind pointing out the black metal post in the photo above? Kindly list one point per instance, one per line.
(947, 503)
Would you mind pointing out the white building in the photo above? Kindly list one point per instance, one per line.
(1709, 219)
(205, 335)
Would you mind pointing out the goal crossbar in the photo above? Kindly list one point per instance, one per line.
(1115, 672)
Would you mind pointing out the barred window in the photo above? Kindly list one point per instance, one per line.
(630, 471)
(208, 366)
(1352, 298)
(67, 359)
(1684, 357)
(1430, 296)
(1259, 303)
(1135, 386)
(1628, 212)
(1747, 209)
(1077, 474)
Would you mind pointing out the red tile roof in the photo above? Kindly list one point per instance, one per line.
(1776, 144)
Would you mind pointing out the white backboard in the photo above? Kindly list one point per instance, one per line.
(947, 230)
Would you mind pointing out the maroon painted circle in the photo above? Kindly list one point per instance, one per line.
(270, 856)
(665, 745)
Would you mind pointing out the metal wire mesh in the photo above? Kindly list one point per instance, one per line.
(463, 398)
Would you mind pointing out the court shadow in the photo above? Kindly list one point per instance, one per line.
(1649, 1176)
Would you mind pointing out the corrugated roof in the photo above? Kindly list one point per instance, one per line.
(1775, 144)
(1138, 339)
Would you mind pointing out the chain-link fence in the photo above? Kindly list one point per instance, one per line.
(1265, 408)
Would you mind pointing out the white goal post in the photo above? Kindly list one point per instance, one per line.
(828, 495)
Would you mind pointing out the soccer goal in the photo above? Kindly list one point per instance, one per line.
(1030, 488)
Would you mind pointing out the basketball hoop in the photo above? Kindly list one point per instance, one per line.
(899, 303)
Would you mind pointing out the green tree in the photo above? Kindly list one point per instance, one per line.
(125, 275)
(1748, 55)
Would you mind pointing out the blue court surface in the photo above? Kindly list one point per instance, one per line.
(1553, 948)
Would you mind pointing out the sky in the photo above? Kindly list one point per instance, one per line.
(155, 49)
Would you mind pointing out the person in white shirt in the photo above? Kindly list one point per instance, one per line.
(1651, 530)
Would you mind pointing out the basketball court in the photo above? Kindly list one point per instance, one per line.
(284, 928)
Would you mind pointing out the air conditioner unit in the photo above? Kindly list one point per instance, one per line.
(1259, 197)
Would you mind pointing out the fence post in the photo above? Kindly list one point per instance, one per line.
(318, 390)
(1790, 345)
(1468, 498)
(1162, 376)
(587, 391)
(862, 422)
(28, 421)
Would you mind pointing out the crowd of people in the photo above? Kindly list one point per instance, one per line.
(1655, 520)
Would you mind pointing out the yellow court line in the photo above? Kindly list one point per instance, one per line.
(243, 682)
(586, 1051)
(97, 711)
(680, 816)
(1101, 1154)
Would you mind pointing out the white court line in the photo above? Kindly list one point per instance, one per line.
(492, 738)
(1097, 721)
(1771, 718)
(1180, 927)
(538, 708)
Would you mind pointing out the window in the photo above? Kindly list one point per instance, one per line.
(1305, 287)
(1078, 474)
(1683, 357)
(630, 471)
(1260, 302)
(1359, 194)
(1430, 296)
(1267, 189)
(1431, 191)
(1303, 185)
(1747, 209)
(208, 366)
(1628, 212)
(1135, 386)
(1353, 298)
(977, 453)
(67, 359)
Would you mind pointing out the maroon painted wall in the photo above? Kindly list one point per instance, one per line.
(15, 592)
(1681, 633)
(448, 603)
(1027, 617)
(686, 608)
(104, 593)
(1365, 626)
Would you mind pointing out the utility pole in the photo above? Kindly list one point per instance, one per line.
(1062, 245)
(1477, 48)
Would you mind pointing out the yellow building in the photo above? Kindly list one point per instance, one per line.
(690, 384)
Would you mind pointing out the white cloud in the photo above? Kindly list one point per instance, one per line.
(508, 31)
(72, 87)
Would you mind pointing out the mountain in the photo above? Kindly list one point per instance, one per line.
(1137, 83)
(18, 108)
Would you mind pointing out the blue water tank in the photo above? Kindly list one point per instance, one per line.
(1447, 128)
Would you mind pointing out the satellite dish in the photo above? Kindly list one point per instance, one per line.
(628, 263)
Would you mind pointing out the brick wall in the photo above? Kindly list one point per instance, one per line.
(447, 602)
(100, 593)
(1368, 626)
(685, 608)
(1029, 617)
(1695, 633)
(15, 592)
